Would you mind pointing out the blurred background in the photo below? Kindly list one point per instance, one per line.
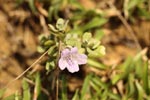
(123, 27)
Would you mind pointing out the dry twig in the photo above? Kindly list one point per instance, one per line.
(19, 76)
(128, 27)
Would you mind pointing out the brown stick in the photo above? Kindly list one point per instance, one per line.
(128, 27)
(19, 76)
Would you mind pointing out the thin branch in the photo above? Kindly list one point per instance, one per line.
(57, 71)
(130, 30)
(57, 89)
(19, 76)
(128, 27)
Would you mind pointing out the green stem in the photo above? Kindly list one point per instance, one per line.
(57, 71)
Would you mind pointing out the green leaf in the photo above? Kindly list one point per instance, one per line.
(50, 65)
(99, 34)
(116, 78)
(98, 52)
(85, 87)
(95, 87)
(37, 88)
(98, 82)
(96, 44)
(49, 43)
(96, 64)
(50, 13)
(87, 36)
(93, 43)
(127, 67)
(114, 96)
(140, 91)
(104, 95)
(26, 91)
(101, 50)
(32, 5)
(133, 3)
(143, 13)
(11, 97)
(40, 49)
(64, 88)
(76, 95)
(138, 57)
(47, 66)
(72, 40)
(130, 87)
(95, 22)
(42, 37)
(145, 78)
(2, 91)
(52, 50)
(52, 28)
(76, 4)
(61, 24)
(19, 2)
(138, 69)
(17, 96)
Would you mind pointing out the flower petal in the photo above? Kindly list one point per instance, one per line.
(74, 50)
(71, 59)
(62, 64)
(73, 67)
(81, 59)
(65, 52)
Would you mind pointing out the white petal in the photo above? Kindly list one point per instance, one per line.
(74, 50)
(73, 67)
(81, 59)
(65, 52)
(62, 64)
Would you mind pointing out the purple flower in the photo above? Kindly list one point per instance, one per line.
(71, 59)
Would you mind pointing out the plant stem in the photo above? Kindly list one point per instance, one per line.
(57, 71)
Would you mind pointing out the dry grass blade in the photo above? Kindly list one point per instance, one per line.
(19, 76)
(130, 30)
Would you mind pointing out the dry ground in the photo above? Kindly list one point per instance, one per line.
(18, 40)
